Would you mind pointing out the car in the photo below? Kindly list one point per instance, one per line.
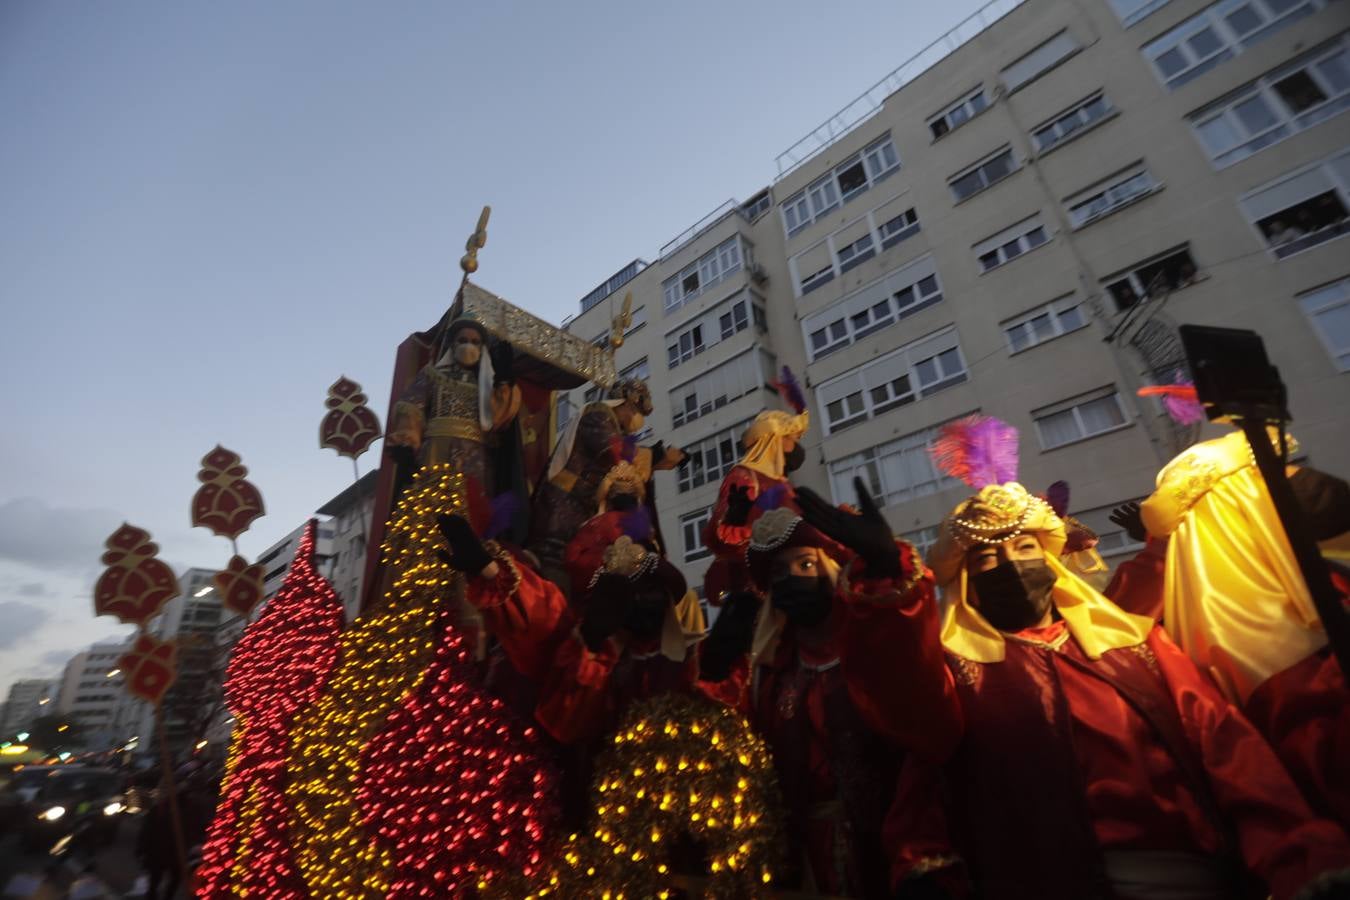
(21, 786)
(66, 798)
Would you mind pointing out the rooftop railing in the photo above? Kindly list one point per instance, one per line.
(724, 209)
(870, 101)
(610, 285)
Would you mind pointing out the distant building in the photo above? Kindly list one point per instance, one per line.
(28, 699)
(91, 695)
(351, 512)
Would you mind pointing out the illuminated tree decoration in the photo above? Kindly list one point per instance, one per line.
(136, 585)
(149, 667)
(226, 502)
(399, 670)
(278, 668)
(677, 765)
(240, 585)
(349, 427)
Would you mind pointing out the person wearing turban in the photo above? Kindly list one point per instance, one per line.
(1234, 599)
(792, 664)
(1081, 753)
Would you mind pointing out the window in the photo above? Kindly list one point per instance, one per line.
(640, 370)
(691, 527)
(1170, 272)
(853, 244)
(1079, 418)
(564, 414)
(958, 114)
(849, 179)
(899, 294)
(1328, 310)
(1303, 209)
(1219, 32)
(897, 228)
(717, 387)
(1044, 323)
(856, 253)
(756, 206)
(896, 379)
(1285, 102)
(1132, 11)
(1112, 540)
(1010, 243)
(711, 458)
(923, 539)
(728, 318)
(982, 175)
(710, 269)
(1039, 60)
(817, 279)
(1104, 198)
(1083, 115)
(894, 472)
(639, 319)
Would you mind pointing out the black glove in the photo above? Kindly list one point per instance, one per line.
(729, 639)
(503, 357)
(866, 534)
(605, 609)
(403, 456)
(467, 553)
(1128, 516)
(739, 505)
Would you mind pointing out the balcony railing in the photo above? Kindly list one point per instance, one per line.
(867, 105)
(724, 209)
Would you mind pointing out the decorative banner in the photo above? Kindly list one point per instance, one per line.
(240, 585)
(225, 503)
(149, 667)
(349, 427)
(135, 585)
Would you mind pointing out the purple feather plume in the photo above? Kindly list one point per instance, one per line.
(772, 497)
(504, 509)
(979, 450)
(637, 525)
(790, 390)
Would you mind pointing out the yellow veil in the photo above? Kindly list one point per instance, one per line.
(763, 440)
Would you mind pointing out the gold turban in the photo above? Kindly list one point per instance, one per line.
(764, 440)
(1000, 513)
(1233, 595)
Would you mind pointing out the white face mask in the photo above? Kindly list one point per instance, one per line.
(468, 354)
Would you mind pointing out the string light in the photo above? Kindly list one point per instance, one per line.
(678, 765)
(278, 667)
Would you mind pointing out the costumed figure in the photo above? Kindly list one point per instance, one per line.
(457, 409)
(593, 443)
(1235, 600)
(796, 664)
(759, 482)
(1081, 753)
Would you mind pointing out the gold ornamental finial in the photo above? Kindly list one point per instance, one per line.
(621, 322)
(476, 242)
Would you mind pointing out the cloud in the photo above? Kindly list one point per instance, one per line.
(33, 590)
(46, 537)
(58, 658)
(18, 620)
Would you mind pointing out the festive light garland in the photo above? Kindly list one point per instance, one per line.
(278, 667)
(678, 765)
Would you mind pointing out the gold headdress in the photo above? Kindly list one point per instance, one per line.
(763, 440)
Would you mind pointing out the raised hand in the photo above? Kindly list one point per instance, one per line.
(739, 505)
(1128, 516)
(730, 637)
(605, 609)
(467, 553)
(865, 533)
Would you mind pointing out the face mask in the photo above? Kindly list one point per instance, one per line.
(1325, 501)
(646, 614)
(804, 599)
(621, 502)
(1015, 594)
(468, 354)
(793, 459)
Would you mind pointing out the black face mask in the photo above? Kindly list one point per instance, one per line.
(1015, 594)
(621, 502)
(793, 459)
(646, 614)
(1325, 501)
(804, 599)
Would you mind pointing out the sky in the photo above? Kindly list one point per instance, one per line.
(208, 212)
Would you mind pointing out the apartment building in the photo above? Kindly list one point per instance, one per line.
(1014, 222)
(28, 699)
(350, 514)
(92, 695)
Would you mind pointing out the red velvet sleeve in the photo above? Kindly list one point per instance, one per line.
(732, 691)
(723, 539)
(1280, 839)
(1137, 585)
(574, 699)
(526, 613)
(893, 661)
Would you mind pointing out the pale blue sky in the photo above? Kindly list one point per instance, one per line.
(212, 210)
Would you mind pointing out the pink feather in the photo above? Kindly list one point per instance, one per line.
(979, 450)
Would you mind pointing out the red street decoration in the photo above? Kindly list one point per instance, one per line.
(225, 503)
(349, 427)
(149, 667)
(240, 585)
(452, 788)
(279, 667)
(135, 585)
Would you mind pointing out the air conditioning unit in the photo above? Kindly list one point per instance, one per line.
(757, 273)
